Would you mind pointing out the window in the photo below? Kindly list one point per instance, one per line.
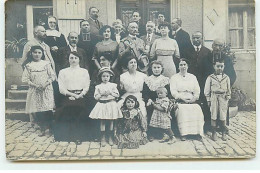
(242, 24)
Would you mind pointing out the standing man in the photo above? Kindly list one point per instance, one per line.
(63, 53)
(93, 21)
(200, 63)
(87, 41)
(132, 44)
(136, 18)
(150, 36)
(160, 19)
(38, 40)
(182, 38)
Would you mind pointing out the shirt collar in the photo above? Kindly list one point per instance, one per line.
(132, 36)
(178, 29)
(195, 47)
(76, 67)
(73, 49)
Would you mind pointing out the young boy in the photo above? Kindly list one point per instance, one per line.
(218, 92)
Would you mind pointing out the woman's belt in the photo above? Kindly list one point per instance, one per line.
(105, 101)
(76, 91)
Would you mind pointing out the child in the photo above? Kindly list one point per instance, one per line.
(131, 129)
(161, 117)
(40, 99)
(106, 108)
(217, 91)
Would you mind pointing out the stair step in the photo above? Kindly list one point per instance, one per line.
(11, 104)
(17, 94)
(17, 115)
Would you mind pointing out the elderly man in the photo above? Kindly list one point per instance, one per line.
(64, 52)
(39, 36)
(132, 44)
(136, 18)
(93, 21)
(149, 37)
(182, 38)
(119, 31)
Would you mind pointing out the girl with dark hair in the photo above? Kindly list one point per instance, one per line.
(165, 50)
(38, 74)
(106, 109)
(107, 45)
(131, 129)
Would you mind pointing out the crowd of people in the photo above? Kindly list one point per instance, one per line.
(126, 85)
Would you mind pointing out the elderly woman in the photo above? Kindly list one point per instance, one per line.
(74, 85)
(185, 89)
(165, 50)
(131, 83)
(107, 45)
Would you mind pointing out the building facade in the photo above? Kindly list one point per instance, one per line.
(231, 20)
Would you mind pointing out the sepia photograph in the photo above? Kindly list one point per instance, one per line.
(130, 79)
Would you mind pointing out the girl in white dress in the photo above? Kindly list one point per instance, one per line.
(106, 109)
(38, 74)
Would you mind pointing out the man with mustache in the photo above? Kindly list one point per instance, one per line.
(150, 36)
(136, 18)
(131, 44)
(93, 21)
(64, 53)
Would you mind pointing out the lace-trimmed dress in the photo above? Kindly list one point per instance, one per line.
(130, 129)
(165, 49)
(39, 73)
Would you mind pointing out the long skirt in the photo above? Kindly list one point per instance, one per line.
(168, 65)
(190, 119)
(70, 120)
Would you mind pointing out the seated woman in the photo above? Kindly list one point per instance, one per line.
(131, 83)
(185, 89)
(73, 85)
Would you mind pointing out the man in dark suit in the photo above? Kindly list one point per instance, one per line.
(150, 36)
(136, 18)
(200, 63)
(181, 37)
(64, 52)
(87, 41)
(93, 21)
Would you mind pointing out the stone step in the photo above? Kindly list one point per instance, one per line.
(17, 115)
(11, 104)
(17, 94)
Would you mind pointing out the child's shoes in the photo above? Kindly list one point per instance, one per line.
(165, 138)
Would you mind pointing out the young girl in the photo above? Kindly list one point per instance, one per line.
(161, 117)
(217, 91)
(131, 129)
(39, 76)
(106, 108)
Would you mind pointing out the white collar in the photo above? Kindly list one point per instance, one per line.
(53, 33)
(195, 47)
(73, 48)
(76, 67)
(132, 36)
(178, 30)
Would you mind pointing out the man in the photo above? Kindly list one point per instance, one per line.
(160, 19)
(182, 38)
(87, 41)
(39, 36)
(136, 18)
(120, 31)
(132, 44)
(93, 21)
(149, 37)
(64, 52)
(200, 63)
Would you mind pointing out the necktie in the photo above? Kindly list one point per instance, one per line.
(97, 23)
(197, 50)
(149, 38)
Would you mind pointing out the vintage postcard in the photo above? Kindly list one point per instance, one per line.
(130, 79)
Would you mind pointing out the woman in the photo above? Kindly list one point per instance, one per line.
(185, 89)
(131, 83)
(74, 85)
(107, 45)
(165, 50)
(54, 38)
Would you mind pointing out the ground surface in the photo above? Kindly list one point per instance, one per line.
(23, 143)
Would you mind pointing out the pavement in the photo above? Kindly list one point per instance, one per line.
(23, 143)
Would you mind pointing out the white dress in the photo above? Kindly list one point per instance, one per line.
(39, 73)
(190, 117)
(106, 107)
(133, 85)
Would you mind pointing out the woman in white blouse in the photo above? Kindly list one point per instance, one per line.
(185, 89)
(73, 85)
(131, 83)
